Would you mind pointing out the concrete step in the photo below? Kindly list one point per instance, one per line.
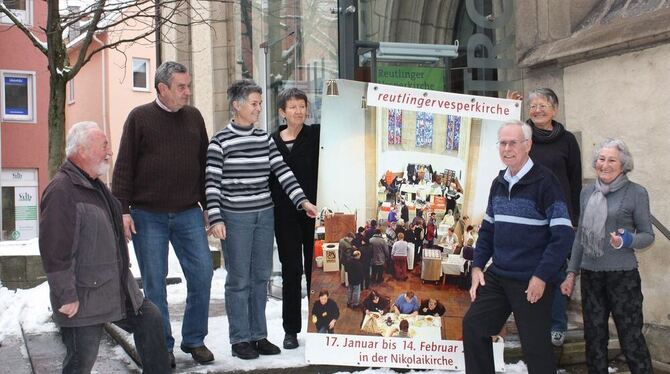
(43, 354)
(14, 357)
(571, 353)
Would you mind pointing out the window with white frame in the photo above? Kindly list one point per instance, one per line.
(22, 9)
(17, 96)
(140, 74)
(70, 91)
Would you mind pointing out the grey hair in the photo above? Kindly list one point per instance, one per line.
(527, 130)
(240, 90)
(76, 136)
(546, 93)
(625, 157)
(165, 71)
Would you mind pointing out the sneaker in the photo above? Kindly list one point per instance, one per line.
(173, 363)
(557, 338)
(264, 347)
(290, 341)
(200, 354)
(244, 351)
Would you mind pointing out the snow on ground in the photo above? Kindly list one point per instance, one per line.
(31, 308)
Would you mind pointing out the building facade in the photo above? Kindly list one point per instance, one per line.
(112, 83)
(24, 95)
(608, 61)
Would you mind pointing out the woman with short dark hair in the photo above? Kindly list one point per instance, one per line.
(298, 144)
(240, 160)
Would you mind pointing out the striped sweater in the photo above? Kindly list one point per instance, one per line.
(526, 231)
(239, 163)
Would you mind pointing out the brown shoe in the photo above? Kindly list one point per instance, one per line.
(201, 354)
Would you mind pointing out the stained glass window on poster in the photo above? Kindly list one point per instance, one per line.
(453, 132)
(424, 129)
(395, 126)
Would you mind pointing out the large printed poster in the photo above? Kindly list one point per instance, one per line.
(356, 325)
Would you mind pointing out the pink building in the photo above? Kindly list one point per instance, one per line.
(24, 98)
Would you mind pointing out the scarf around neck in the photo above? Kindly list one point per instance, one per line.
(547, 136)
(593, 234)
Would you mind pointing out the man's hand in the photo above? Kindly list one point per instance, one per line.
(535, 289)
(331, 325)
(205, 218)
(477, 280)
(69, 309)
(568, 284)
(218, 231)
(128, 227)
(310, 209)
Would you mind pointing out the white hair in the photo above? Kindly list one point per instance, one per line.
(76, 137)
(625, 157)
(525, 128)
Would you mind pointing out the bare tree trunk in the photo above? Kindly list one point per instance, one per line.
(56, 123)
(57, 55)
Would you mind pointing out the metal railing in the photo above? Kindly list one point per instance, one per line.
(660, 227)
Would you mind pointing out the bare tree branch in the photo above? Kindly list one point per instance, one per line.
(113, 17)
(41, 46)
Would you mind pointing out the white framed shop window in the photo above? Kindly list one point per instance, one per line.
(17, 96)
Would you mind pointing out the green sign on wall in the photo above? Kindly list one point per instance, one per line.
(412, 77)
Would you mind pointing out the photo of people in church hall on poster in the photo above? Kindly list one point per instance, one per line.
(403, 187)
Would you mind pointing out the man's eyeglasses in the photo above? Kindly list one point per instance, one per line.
(540, 107)
(512, 143)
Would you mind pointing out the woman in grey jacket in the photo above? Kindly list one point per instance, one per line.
(615, 224)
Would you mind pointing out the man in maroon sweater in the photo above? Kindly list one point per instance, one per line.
(159, 179)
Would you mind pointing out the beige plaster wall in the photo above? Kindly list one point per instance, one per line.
(626, 96)
(201, 69)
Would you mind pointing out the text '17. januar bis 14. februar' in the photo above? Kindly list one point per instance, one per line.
(385, 352)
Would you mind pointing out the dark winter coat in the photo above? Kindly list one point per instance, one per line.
(84, 250)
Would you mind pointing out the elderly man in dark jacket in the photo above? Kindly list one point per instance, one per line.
(85, 257)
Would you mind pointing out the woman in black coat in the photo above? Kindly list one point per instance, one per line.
(294, 230)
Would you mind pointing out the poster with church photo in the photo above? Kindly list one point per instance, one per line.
(388, 289)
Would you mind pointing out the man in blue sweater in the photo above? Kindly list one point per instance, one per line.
(527, 233)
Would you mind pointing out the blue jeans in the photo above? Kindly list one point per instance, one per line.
(186, 231)
(248, 260)
(82, 343)
(353, 294)
(559, 318)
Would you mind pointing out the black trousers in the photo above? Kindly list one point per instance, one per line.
(294, 232)
(377, 273)
(487, 315)
(618, 293)
(82, 343)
